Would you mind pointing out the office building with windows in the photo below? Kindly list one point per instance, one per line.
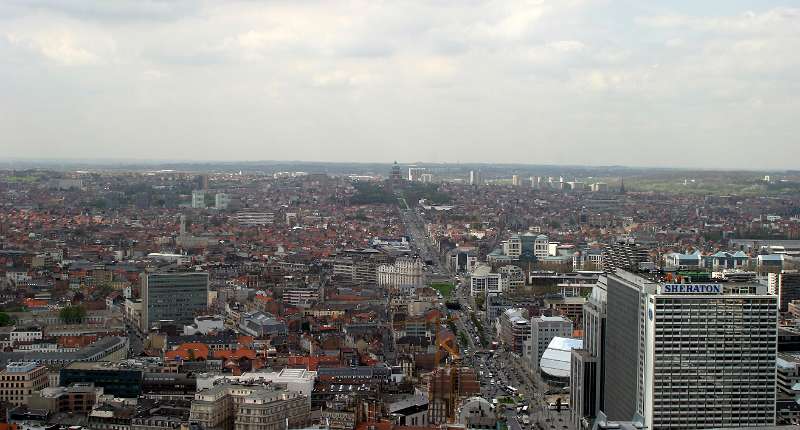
(252, 219)
(222, 201)
(785, 285)
(690, 356)
(513, 247)
(515, 330)
(543, 330)
(19, 380)
(405, 271)
(541, 246)
(198, 199)
(173, 296)
(249, 406)
(415, 173)
(475, 177)
(587, 369)
(115, 380)
(624, 254)
(483, 282)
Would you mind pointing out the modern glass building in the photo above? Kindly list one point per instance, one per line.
(173, 296)
(117, 381)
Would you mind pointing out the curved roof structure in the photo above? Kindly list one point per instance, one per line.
(555, 360)
(482, 270)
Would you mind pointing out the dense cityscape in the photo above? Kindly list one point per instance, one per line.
(399, 215)
(398, 297)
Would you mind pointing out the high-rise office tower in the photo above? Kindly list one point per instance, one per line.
(690, 356)
(475, 177)
(785, 285)
(515, 180)
(198, 199)
(221, 201)
(587, 376)
(202, 182)
(173, 296)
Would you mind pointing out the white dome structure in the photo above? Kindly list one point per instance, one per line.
(477, 413)
(555, 361)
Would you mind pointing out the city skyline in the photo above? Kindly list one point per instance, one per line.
(399, 215)
(563, 83)
(444, 296)
(126, 162)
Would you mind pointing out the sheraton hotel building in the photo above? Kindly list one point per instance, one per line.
(677, 356)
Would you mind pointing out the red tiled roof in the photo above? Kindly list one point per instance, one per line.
(239, 353)
(198, 351)
(245, 340)
(33, 303)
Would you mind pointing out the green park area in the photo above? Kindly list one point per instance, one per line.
(17, 179)
(444, 288)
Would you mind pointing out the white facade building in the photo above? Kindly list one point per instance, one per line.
(299, 381)
(249, 219)
(475, 177)
(482, 281)
(415, 173)
(688, 356)
(541, 246)
(404, 272)
(513, 246)
(221, 201)
(198, 199)
(24, 335)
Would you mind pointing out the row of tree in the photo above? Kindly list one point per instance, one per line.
(69, 315)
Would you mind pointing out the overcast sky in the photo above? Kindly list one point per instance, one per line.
(671, 83)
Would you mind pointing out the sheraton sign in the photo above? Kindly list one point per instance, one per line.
(691, 289)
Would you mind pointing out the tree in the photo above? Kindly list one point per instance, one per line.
(479, 302)
(5, 319)
(72, 314)
(367, 194)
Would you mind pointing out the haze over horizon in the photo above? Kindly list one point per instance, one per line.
(574, 82)
(77, 163)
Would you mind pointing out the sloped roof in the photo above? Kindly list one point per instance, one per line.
(556, 358)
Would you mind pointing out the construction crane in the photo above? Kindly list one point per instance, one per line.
(446, 343)
(453, 367)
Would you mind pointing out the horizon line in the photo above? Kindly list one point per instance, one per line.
(123, 162)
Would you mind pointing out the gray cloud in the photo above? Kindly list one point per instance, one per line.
(116, 10)
(575, 81)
